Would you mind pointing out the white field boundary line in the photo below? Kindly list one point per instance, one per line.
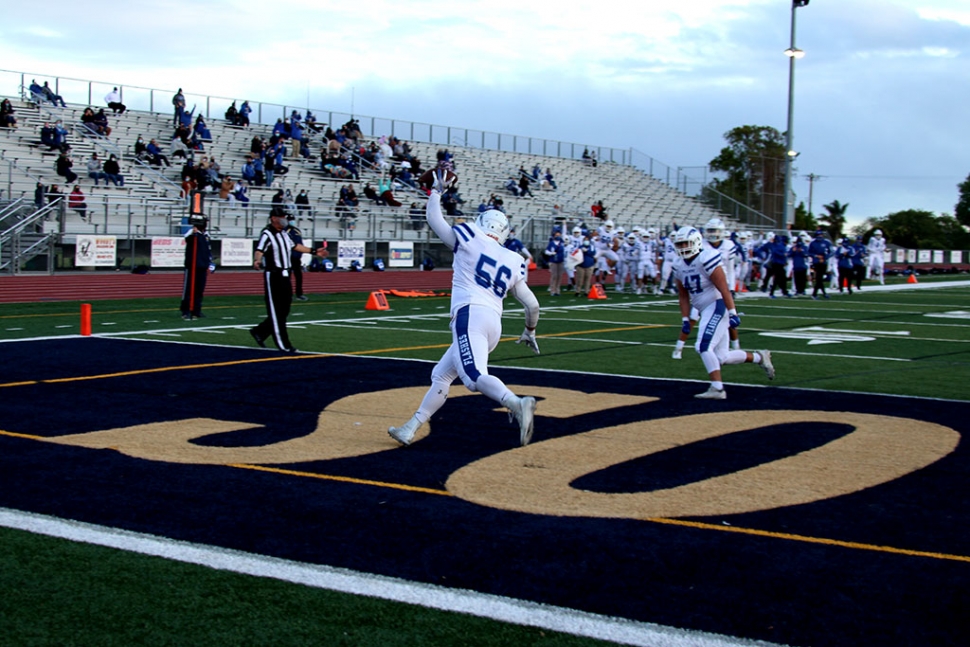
(509, 610)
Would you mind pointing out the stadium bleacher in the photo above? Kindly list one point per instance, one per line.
(150, 203)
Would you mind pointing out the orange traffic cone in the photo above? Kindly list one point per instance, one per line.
(377, 301)
(531, 266)
(912, 278)
(597, 291)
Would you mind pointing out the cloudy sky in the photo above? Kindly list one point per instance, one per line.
(881, 97)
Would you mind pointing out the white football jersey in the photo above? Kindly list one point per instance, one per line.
(695, 276)
(631, 253)
(725, 248)
(484, 271)
(670, 252)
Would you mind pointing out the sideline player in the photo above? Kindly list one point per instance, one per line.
(877, 245)
(274, 256)
(701, 284)
(484, 273)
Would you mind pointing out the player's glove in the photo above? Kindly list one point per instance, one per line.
(438, 186)
(734, 319)
(685, 327)
(528, 337)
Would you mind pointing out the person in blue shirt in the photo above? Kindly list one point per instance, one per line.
(859, 261)
(799, 259)
(556, 256)
(778, 251)
(201, 130)
(244, 112)
(845, 253)
(820, 250)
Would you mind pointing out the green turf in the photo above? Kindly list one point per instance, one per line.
(57, 592)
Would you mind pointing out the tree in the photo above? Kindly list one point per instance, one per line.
(754, 165)
(803, 219)
(834, 220)
(918, 229)
(962, 208)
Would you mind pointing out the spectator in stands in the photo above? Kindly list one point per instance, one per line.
(95, 171)
(60, 136)
(113, 99)
(512, 186)
(39, 196)
(311, 122)
(155, 156)
(524, 185)
(248, 170)
(549, 180)
(384, 190)
(87, 120)
(598, 211)
(141, 149)
(63, 166)
(75, 200)
(178, 102)
(54, 193)
(215, 172)
(52, 96)
(232, 114)
(449, 200)
(178, 147)
(244, 112)
(226, 188)
(239, 192)
(303, 200)
(37, 92)
(371, 194)
(7, 117)
(201, 130)
(112, 172)
(189, 183)
(47, 136)
(101, 123)
(536, 172)
(297, 138)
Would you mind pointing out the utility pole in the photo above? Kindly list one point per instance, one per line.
(811, 185)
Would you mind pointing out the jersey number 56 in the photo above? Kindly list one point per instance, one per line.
(490, 275)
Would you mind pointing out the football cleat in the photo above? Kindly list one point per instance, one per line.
(523, 410)
(677, 354)
(712, 394)
(405, 433)
(766, 364)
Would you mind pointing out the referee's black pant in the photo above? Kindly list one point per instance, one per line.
(193, 286)
(279, 297)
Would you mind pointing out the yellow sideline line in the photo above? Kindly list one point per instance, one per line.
(162, 369)
(342, 479)
(810, 540)
(166, 369)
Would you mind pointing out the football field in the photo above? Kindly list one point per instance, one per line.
(167, 482)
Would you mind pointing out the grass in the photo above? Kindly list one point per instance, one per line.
(913, 343)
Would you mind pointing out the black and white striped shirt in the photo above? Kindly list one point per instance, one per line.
(276, 247)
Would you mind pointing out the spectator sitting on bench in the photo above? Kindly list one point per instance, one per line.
(112, 172)
(113, 99)
(94, 169)
(63, 166)
(7, 118)
(51, 96)
(201, 130)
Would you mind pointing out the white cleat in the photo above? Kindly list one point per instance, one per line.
(524, 412)
(677, 354)
(766, 364)
(712, 394)
(405, 433)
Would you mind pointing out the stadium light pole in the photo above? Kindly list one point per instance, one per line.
(792, 53)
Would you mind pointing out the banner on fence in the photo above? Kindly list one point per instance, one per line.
(400, 254)
(956, 257)
(168, 251)
(937, 255)
(236, 252)
(349, 251)
(96, 251)
(923, 255)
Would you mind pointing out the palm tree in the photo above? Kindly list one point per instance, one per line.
(834, 220)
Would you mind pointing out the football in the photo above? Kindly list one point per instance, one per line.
(427, 178)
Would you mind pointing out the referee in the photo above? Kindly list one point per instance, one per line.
(273, 256)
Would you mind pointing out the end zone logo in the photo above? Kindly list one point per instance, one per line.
(540, 478)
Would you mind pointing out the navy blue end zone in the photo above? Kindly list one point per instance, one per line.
(762, 587)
